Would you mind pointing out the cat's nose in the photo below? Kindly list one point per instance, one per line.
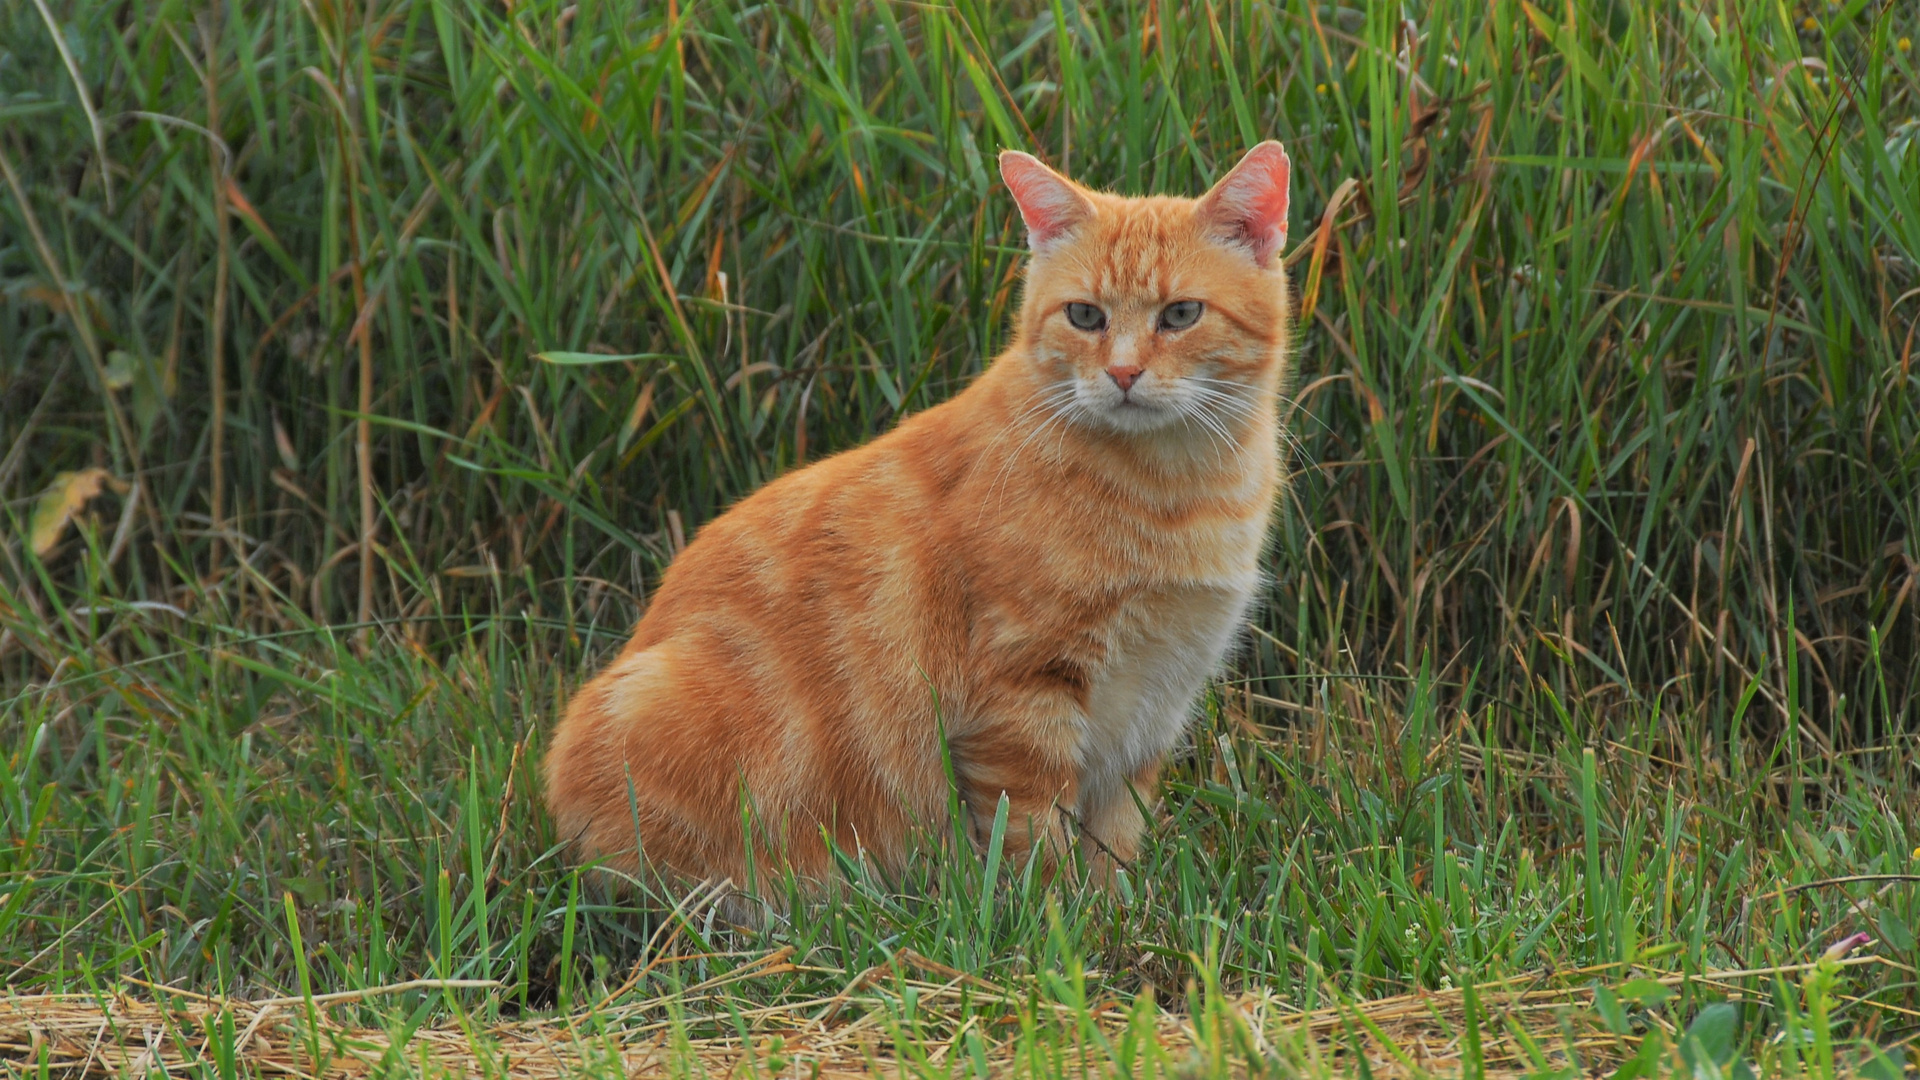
(1124, 377)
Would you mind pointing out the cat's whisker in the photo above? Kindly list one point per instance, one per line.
(1212, 402)
(1240, 410)
(1216, 431)
(1057, 399)
(1188, 419)
(1037, 401)
(1212, 405)
(1013, 459)
(1237, 404)
(1228, 389)
(1237, 407)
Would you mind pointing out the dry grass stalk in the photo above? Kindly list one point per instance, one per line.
(1414, 1034)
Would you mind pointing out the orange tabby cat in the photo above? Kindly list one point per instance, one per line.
(1046, 569)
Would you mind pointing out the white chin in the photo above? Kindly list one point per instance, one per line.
(1137, 417)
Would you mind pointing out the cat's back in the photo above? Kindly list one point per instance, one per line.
(831, 537)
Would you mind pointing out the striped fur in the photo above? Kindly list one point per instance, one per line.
(1046, 567)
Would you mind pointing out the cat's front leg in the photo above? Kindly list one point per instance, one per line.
(1027, 755)
(1113, 818)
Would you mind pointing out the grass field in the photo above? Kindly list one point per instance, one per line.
(1577, 736)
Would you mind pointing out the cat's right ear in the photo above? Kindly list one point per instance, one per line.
(1249, 204)
(1049, 203)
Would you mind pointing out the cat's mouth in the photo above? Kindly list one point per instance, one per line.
(1137, 409)
(1135, 414)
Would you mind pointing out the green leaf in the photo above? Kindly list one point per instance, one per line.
(582, 359)
(1895, 931)
(1645, 991)
(1646, 1063)
(1563, 39)
(1888, 1064)
(1712, 1032)
(1474, 1063)
(995, 844)
(120, 369)
(307, 887)
(1608, 1006)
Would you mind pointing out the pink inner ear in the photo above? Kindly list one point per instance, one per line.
(1047, 204)
(1254, 198)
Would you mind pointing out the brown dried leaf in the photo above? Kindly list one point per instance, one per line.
(70, 492)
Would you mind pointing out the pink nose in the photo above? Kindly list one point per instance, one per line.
(1124, 377)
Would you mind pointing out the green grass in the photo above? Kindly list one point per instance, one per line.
(1593, 646)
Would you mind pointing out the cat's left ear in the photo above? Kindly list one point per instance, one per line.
(1249, 205)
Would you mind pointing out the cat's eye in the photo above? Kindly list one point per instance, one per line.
(1180, 316)
(1086, 316)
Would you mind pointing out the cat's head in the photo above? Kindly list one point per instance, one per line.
(1144, 313)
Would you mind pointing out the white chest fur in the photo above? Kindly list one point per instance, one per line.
(1162, 647)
